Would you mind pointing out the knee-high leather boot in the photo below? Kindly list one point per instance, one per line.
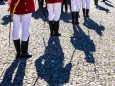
(84, 12)
(73, 17)
(56, 28)
(24, 49)
(96, 2)
(51, 25)
(77, 18)
(17, 47)
(87, 12)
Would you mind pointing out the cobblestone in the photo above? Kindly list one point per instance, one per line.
(83, 56)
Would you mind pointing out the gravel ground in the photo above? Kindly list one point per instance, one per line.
(83, 56)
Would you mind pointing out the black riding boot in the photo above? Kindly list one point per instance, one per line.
(73, 17)
(24, 49)
(96, 2)
(77, 18)
(87, 12)
(56, 28)
(41, 3)
(84, 13)
(17, 47)
(66, 6)
(51, 25)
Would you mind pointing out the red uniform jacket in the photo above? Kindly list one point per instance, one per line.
(24, 6)
(53, 1)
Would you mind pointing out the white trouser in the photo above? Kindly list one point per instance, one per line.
(75, 5)
(22, 21)
(54, 11)
(86, 4)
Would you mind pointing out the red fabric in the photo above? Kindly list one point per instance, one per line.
(53, 1)
(24, 6)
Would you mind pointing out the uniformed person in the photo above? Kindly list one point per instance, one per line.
(85, 7)
(22, 12)
(75, 7)
(41, 3)
(104, 0)
(66, 3)
(54, 12)
(96, 2)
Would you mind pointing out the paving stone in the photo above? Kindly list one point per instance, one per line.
(83, 56)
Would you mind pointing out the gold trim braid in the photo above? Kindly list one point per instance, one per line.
(15, 7)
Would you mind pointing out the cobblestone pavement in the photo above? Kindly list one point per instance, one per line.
(83, 56)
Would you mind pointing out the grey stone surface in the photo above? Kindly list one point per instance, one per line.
(83, 56)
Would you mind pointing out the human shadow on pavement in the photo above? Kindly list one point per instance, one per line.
(90, 24)
(50, 66)
(108, 1)
(1, 2)
(66, 17)
(41, 13)
(9, 79)
(103, 9)
(5, 20)
(108, 4)
(82, 42)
